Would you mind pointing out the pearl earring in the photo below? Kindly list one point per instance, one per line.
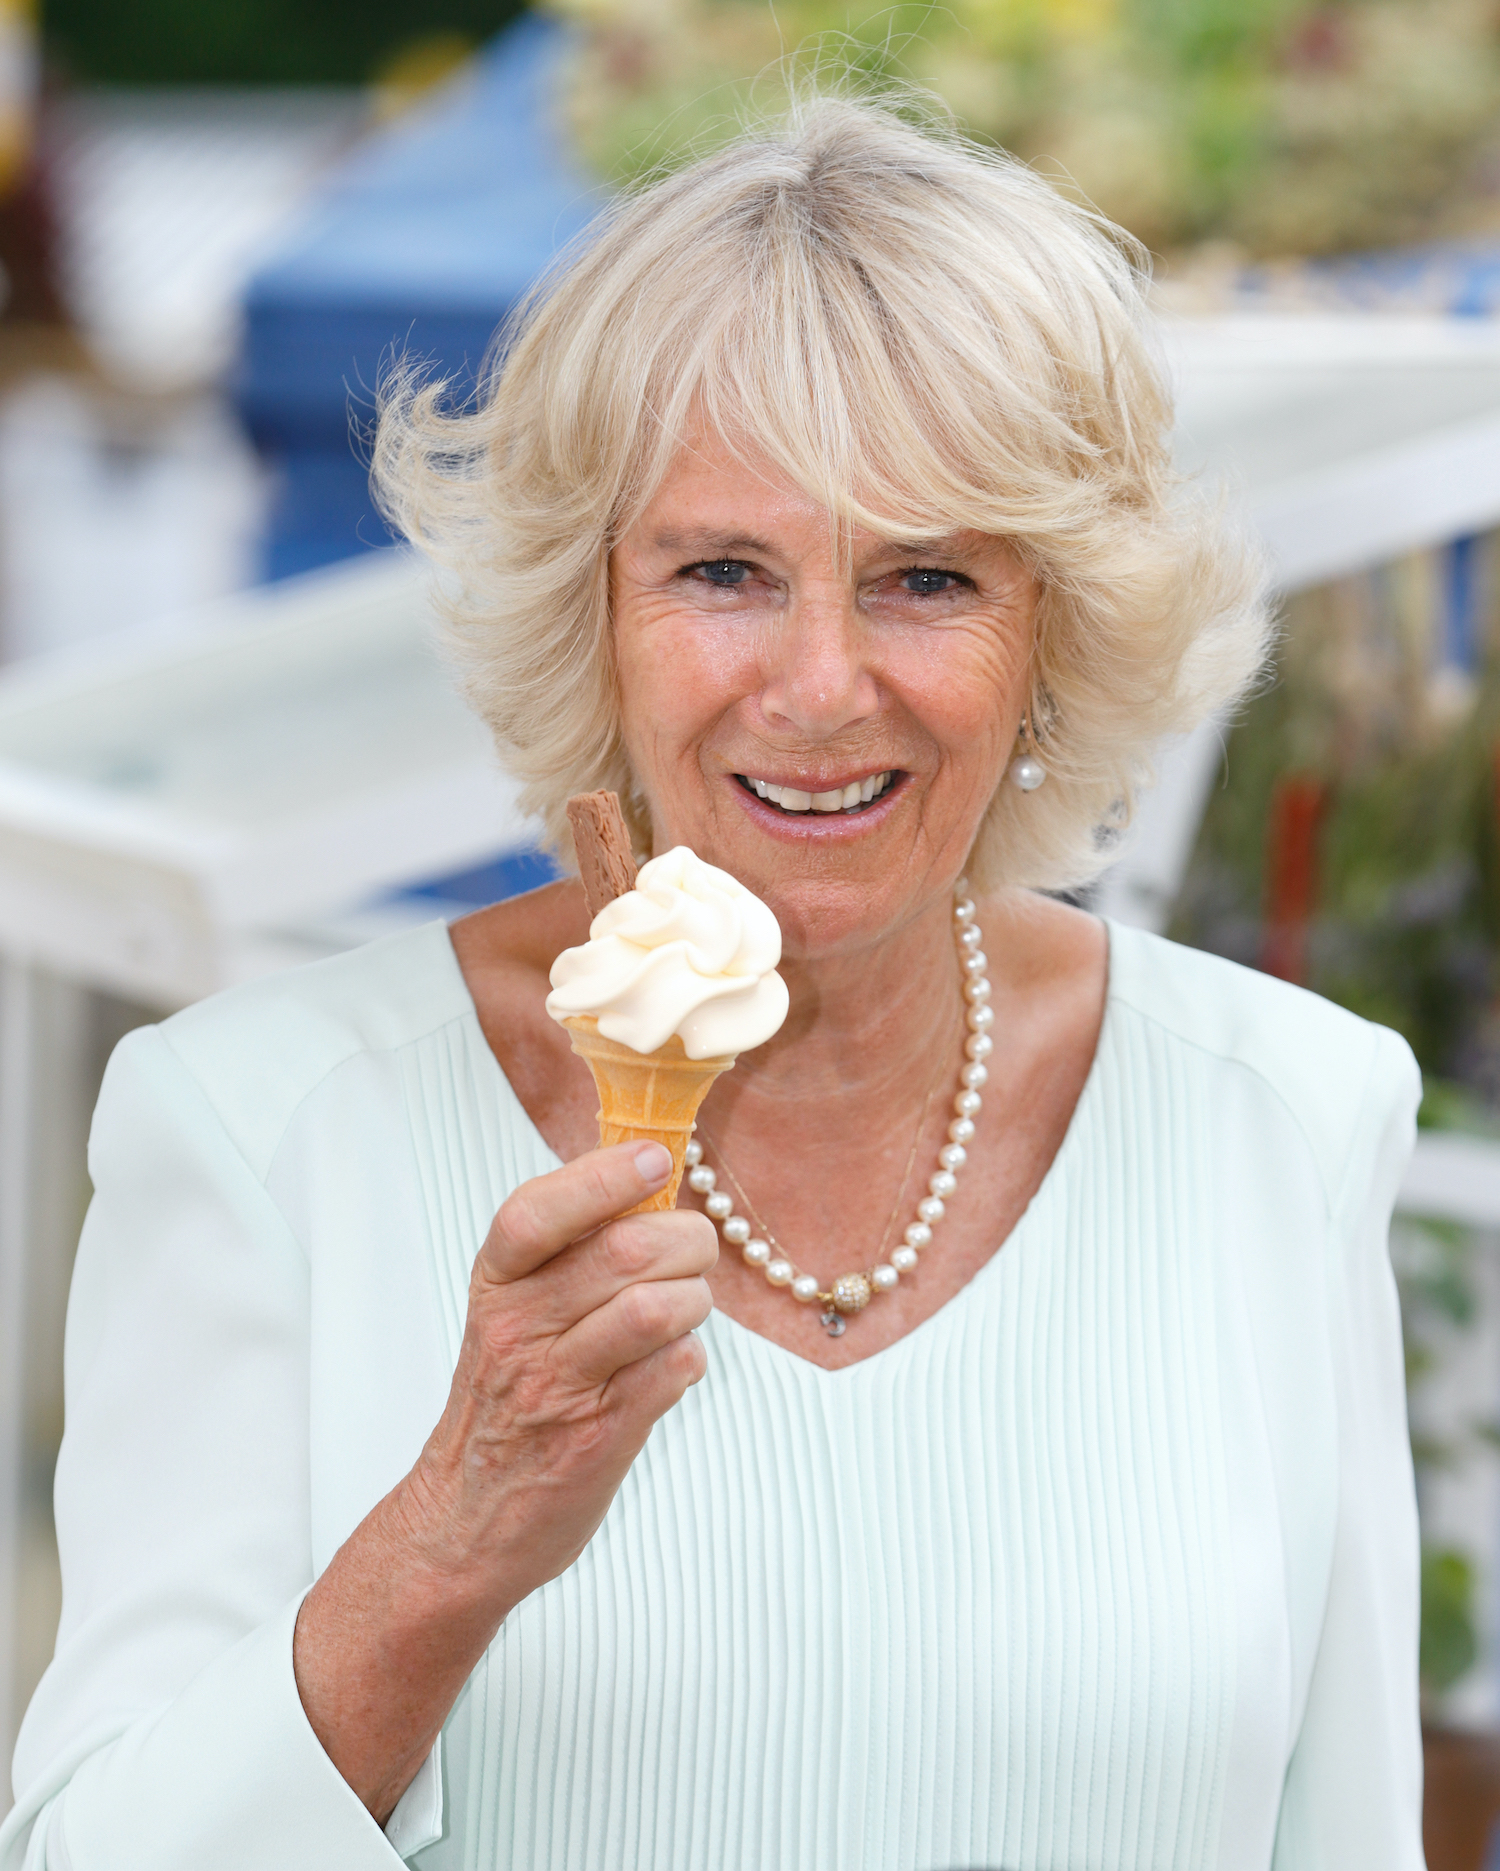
(1026, 771)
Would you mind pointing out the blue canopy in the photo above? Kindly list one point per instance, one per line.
(419, 246)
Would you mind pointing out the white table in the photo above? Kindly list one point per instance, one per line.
(171, 811)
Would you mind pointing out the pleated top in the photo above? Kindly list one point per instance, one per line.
(1108, 1566)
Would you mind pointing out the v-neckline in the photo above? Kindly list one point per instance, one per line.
(1006, 1250)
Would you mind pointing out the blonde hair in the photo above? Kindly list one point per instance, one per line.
(923, 334)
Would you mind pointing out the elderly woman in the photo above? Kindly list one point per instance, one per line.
(415, 1507)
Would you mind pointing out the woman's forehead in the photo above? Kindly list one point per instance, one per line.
(729, 495)
(739, 515)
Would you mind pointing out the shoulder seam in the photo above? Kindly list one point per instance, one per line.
(155, 1032)
(1381, 1043)
(1332, 1184)
(354, 1052)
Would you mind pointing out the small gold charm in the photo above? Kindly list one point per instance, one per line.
(851, 1292)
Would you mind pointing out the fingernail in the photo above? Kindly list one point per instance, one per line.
(654, 1162)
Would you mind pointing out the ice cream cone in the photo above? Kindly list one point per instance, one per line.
(652, 1095)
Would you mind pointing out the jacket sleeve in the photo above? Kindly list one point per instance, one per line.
(168, 1732)
(1353, 1793)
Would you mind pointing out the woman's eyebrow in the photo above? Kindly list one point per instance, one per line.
(706, 545)
(710, 545)
(944, 546)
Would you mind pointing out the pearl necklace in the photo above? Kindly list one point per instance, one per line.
(852, 1292)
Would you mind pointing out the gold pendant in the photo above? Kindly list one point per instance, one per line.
(852, 1292)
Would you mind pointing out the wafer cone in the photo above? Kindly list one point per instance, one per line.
(646, 1095)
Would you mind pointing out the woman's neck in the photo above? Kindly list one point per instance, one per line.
(865, 1031)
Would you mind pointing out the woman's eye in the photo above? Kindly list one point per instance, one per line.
(723, 571)
(927, 583)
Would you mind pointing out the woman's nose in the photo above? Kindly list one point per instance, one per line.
(816, 678)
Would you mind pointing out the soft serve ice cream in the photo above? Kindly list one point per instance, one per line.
(677, 977)
(688, 952)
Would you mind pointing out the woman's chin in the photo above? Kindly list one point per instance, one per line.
(829, 918)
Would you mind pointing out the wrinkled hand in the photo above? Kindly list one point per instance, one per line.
(579, 1337)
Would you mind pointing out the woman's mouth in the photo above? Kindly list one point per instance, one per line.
(855, 797)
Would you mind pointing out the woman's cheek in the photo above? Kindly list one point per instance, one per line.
(969, 695)
(706, 671)
(650, 656)
(678, 679)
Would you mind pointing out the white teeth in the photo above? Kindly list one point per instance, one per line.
(843, 799)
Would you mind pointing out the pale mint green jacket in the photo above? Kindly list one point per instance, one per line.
(1109, 1566)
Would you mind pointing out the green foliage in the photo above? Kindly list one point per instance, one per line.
(1447, 1105)
(1406, 928)
(1285, 126)
(1210, 35)
(1449, 1643)
(1435, 1272)
(249, 41)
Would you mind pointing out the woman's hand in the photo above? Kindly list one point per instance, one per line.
(579, 1337)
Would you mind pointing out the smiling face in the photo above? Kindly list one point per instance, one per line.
(829, 733)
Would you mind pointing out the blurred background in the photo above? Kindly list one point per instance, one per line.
(227, 745)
